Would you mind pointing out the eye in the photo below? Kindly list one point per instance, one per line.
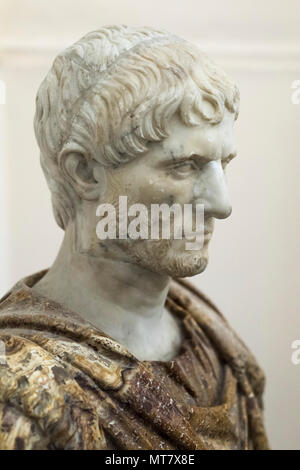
(184, 168)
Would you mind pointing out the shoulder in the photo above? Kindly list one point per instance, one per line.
(54, 368)
(19, 432)
(191, 298)
(226, 341)
(41, 399)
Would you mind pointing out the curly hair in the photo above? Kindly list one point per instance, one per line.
(114, 91)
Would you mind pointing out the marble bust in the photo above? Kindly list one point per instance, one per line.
(111, 348)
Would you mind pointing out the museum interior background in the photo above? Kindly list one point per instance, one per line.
(253, 275)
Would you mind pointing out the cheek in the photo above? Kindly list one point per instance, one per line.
(149, 187)
(182, 190)
(166, 189)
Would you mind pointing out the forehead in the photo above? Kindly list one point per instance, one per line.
(213, 141)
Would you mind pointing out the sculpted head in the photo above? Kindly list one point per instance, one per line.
(142, 113)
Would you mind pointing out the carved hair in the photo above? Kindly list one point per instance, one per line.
(114, 91)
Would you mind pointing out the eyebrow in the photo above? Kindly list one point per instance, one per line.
(195, 156)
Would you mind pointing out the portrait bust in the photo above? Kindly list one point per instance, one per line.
(111, 348)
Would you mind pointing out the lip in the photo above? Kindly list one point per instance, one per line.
(192, 236)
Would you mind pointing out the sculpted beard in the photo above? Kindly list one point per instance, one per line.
(163, 256)
(168, 256)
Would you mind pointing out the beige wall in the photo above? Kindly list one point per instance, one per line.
(255, 256)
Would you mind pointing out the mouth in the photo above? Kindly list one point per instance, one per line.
(192, 237)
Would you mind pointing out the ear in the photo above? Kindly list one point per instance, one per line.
(86, 176)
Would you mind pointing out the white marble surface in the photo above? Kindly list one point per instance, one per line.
(253, 273)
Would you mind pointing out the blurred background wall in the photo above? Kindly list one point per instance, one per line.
(253, 274)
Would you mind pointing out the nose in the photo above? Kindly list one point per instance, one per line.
(214, 191)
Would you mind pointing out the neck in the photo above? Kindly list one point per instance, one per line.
(120, 298)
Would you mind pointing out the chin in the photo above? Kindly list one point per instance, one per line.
(186, 265)
(162, 258)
